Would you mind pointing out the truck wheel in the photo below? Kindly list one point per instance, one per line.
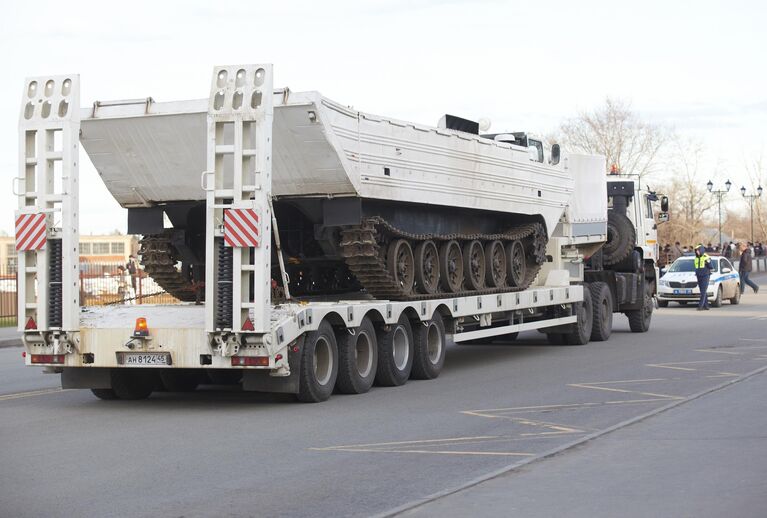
(621, 237)
(319, 365)
(639, 319)
(395, 354)
(717, 302)
(581, 333)
(602, 301)
(662, 303)
(133, 383)
(105, 394)
(357, 359)
(735, 300)
(429, 348)
(181, 380)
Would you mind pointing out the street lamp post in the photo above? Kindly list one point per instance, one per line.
(751, 198)
(719, 194)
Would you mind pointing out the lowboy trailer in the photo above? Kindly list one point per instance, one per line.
(249, 329)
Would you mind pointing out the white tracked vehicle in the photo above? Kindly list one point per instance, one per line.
(317, 247)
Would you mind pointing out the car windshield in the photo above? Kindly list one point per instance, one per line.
(688, 265)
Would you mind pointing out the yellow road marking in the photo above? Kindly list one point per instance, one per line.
(20, 395)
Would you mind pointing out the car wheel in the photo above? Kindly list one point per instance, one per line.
(736, 299)
(717, 302)
(662, 303)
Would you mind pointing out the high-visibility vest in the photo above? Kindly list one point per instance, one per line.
(700, 262)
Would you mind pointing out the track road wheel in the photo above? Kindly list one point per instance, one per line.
(495, 265)
(602, 302)
(395, 353)
(357, 358)
(451, 266)
(105, 394)
(427, 267)
(474, 265)
(401, 265)
(319, 365)
(429, 348)
(581, 333)
(180, 380)
(517, 263)
(133, 383)
(639, 319)
(717, 302)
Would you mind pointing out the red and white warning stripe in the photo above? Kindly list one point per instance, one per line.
(241, 228)
(30, 232)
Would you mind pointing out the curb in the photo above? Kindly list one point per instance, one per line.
(563, 448)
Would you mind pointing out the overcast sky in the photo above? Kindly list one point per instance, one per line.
(697, 66)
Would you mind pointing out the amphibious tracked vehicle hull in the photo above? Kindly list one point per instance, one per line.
(401, 209)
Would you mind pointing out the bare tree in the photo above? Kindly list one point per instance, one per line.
(689, 199)
(613, 130)
(757, 175)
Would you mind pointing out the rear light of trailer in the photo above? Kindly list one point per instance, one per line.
(250, 361)
(141, 329)
(31, 325)
(47, 358)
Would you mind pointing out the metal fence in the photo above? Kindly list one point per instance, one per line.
(100, 284)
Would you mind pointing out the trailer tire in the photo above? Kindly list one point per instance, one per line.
(395, 354)
(105, 394)
(319, 365)
(602, 302)
(581, 333)
(639, 319)
(133, 384)
(429, 348)
(357, 358)
(180, 380)
(621, 237)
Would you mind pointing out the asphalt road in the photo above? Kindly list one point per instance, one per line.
(65, 453)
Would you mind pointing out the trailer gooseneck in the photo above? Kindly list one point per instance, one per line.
(336, 249)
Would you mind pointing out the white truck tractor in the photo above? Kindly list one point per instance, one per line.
(313, 247)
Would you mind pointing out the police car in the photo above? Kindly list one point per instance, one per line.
(679, 283)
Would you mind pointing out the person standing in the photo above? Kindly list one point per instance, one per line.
(744, 268)
(703, 274)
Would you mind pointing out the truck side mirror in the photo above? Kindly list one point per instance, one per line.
(554, 160)
(664, 204)
(662, 217)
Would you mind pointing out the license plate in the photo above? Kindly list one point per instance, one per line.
(682, 292)
(144, 359)
(688, 292)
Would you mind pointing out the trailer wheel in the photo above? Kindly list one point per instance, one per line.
(602, 302)
(105, 394)
(639, 319)
(133, 383)
(395, 354)
(581, 333)
(429, 348)
(179, 380)
(319, 365)
(357, 358)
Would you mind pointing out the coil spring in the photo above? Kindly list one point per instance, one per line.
(55, 302)
(224, 287)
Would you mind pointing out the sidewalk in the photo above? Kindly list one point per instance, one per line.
(9, 337)
(704, 458)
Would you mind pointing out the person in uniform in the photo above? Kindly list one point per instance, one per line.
(703, 274)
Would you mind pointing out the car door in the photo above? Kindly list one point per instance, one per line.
(731, 281)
